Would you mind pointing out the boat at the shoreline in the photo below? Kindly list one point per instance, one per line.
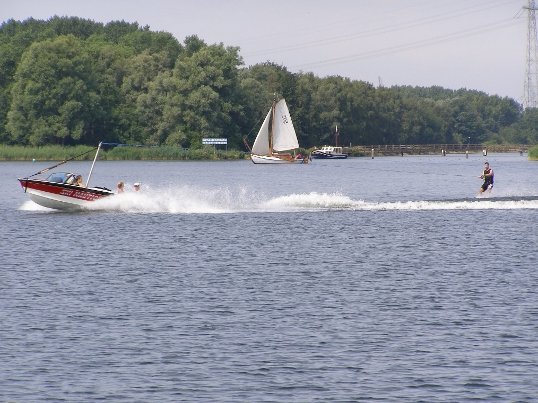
(61, 191)
(329, 152)
(276, 141)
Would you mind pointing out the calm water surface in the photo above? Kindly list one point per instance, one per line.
(354, 280)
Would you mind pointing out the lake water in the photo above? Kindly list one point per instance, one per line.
(353, 280)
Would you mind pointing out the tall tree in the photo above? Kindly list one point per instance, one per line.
(54, 98)
(110, 67)
(206, 96)
(140, 110)
(15, 38)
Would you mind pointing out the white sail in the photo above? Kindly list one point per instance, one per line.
(276, 134)
(261, 144)
(284, 136)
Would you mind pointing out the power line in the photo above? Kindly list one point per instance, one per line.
(378, 31)
(412, 45)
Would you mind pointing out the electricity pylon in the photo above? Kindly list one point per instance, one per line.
(530, 97)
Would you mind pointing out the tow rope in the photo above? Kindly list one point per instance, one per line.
(61, 163)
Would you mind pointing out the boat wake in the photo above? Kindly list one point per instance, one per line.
(324, 201)
(223, 200)
(31, 206)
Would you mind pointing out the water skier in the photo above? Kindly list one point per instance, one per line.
(488, 176)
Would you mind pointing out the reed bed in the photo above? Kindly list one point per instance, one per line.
(533, 153)
(60, 153)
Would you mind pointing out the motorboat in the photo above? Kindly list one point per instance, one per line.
(329, 152)
(61, 191)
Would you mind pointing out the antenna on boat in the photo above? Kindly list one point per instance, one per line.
(94, 159)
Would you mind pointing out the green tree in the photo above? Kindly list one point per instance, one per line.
(421, 123)
(78, 27)
(54, 98)
(15, 38)
(159, 121)
(110, 67)
(161, 43)
(114, 31)
(253, 106)
(524, 131)
(385, 118)
(143, 100)
(206, 94)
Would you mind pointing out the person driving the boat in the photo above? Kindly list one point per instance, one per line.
(74, 179)
(71, 178)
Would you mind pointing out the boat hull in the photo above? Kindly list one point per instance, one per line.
(273, 159)
(61, 196)
(329, 153)
(328, 156)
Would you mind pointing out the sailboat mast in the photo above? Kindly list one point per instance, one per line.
(271, 126)
(336, 136)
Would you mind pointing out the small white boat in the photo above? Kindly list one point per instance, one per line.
(329, 152)
(276, 141)
(60, 190)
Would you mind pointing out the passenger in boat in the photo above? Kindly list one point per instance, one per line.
(303, 158)
(488, 177)
(121, 187)
(78, 180)
(136, 186)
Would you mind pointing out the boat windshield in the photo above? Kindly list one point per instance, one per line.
(59, 177)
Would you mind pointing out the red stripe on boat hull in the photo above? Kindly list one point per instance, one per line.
(60, 195)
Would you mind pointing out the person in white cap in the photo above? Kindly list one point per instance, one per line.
(136, 186)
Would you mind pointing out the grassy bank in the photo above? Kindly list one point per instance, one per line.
(59, 153)
(533, 153)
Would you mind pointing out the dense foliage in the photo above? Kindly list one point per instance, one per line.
(72, 81)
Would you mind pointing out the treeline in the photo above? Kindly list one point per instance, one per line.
(72, 81)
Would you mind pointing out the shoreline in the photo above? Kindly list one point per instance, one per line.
(168, 153)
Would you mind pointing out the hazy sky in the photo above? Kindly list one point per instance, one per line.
(473, 44)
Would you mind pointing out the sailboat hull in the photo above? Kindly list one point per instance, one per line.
(273, 159)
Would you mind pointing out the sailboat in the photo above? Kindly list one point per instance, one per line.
(276, 138)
